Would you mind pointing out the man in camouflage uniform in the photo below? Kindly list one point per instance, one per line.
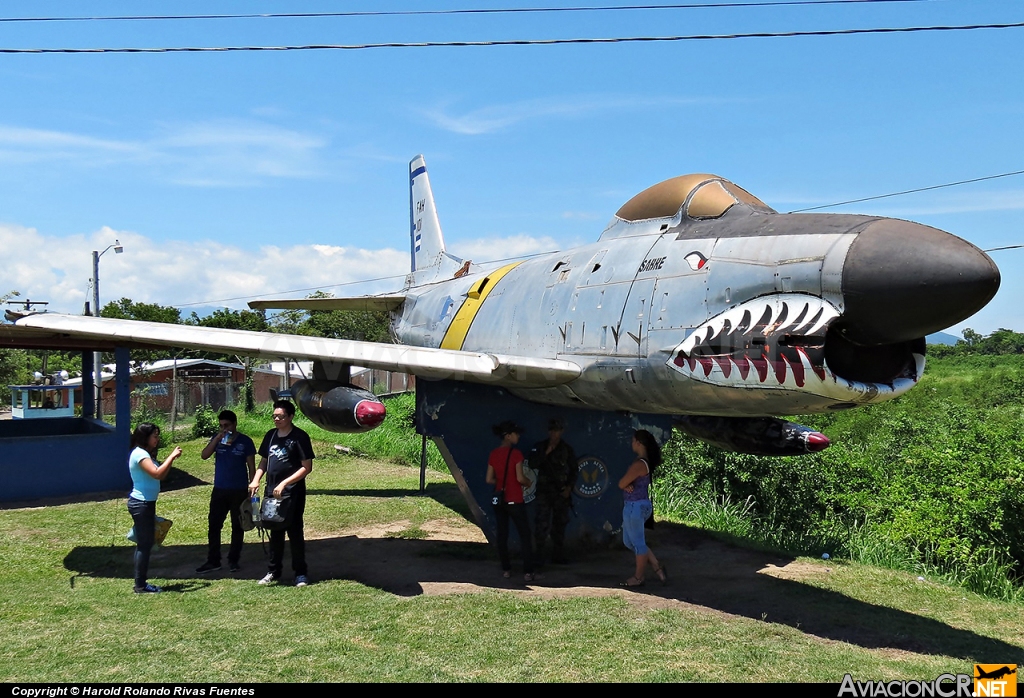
(555, 463)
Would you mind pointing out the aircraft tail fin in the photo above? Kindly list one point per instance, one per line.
(429, 258)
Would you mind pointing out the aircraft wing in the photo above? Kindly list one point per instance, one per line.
(477, 367)
(357, 303)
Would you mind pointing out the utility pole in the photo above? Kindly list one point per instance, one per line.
(97, 359)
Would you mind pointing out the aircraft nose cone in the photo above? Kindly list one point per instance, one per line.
(903, 281)
(369, 414)
(816, 441)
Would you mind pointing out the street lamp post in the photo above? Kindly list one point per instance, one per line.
(97, 359)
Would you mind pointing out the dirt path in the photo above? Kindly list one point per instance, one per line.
(419, 566)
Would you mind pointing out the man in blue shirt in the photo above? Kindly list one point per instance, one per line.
(234, 466)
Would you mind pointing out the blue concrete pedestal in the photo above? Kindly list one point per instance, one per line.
(67, 455)
(458, 417)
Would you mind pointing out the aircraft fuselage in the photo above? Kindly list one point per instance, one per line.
(750, 312)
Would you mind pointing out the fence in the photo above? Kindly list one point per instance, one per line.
(158, 396)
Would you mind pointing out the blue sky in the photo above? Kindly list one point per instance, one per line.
(237, 174)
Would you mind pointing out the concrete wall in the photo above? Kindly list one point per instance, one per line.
(54, 457)
(67, 455)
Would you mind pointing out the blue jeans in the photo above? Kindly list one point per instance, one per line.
(144, 517)
(633, 516)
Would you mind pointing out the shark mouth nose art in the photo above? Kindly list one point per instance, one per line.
(777, 341)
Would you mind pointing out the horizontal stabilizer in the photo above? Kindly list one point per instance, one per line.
(497, 369)
(357, 303)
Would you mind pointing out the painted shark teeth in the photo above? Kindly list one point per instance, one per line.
(775, 341)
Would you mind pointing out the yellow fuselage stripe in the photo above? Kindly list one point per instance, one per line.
(455, 337)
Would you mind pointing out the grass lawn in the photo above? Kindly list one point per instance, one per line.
(404, 589)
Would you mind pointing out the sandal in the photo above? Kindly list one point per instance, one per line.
(632, 582)
(662, 573)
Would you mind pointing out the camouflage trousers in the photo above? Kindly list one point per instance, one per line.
(552, 518)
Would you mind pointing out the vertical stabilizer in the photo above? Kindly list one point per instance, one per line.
(429, 259)
(427, 241)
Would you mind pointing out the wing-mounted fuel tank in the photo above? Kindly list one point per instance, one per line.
(760, 436)
(338, 407)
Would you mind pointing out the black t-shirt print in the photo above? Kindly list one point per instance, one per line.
(284, 456)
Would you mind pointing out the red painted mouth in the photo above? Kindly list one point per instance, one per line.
(769, 346)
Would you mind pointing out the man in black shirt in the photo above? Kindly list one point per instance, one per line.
(286, 458)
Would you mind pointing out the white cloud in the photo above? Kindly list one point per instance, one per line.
(232, 152)
(39, 139)
(177, 272)
(58, 269)
(227, 152)
(499, 248)
(500, 116)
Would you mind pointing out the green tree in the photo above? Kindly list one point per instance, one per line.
(289, 322)
(12, 361)
(971, 338)
(251, 320)
(127, 309)
(360, 325)
(12, 371)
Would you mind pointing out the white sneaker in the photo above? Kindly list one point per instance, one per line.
(271, 578)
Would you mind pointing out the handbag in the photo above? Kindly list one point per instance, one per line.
(245, 514)
(275, 514)
(498, 500)
(160, 528)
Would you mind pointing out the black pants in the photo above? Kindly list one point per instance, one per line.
(516, 512)
(295, 536)
(144, 519)
(225, 502)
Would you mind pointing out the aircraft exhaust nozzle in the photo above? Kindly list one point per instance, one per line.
(903, 281)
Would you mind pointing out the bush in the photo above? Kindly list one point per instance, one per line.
(206, 423)
(933, 480)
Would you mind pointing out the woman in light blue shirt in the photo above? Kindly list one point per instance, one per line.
(146, 477)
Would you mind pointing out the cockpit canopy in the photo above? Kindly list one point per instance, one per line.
(704, 195)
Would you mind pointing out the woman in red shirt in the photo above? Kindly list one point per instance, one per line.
(505, 472)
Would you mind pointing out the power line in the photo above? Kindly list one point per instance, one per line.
(345, 283)
(537, 254)
(519, 42)
(468, 11)
(290, 291)
(910, 191)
